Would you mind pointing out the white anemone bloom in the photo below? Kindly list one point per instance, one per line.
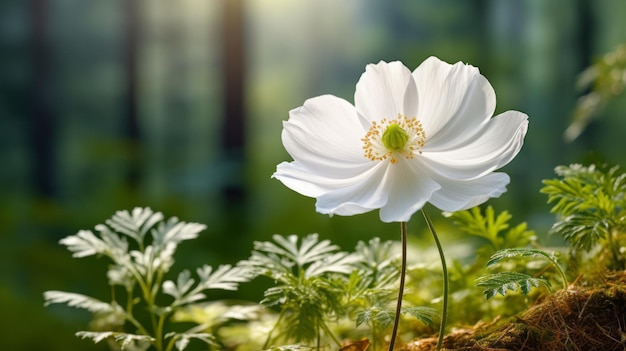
(410, 138)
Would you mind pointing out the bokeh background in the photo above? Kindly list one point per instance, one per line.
(177, 105)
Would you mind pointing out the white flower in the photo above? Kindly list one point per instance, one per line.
(410, 138)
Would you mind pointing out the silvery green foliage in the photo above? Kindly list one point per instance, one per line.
(141, 246)
(126, 341)
(311, 277)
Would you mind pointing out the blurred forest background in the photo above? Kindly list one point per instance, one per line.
(177, 105)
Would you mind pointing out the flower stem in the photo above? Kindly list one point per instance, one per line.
(444, 270)
(401, 289)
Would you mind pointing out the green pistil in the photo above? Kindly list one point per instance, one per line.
(394, 137)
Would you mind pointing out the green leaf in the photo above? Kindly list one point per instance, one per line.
(377, 264)
(518, 252)
(583, 230)
(341, 262)
(383, 318)
(84, 243)
(589, 202)
(80, 301)
(123, 339)
(173, 232)
(313, 257)
(136, 223)
(423, 314)
(500, 283)
(492, 227)
(364, 317)
(294, 347)
(225, 277)
(183, 339)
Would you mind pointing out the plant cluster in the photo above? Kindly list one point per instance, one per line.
(316, 285)
(321, 295)
(590, 203)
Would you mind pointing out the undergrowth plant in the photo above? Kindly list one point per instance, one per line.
(141, 246)
(309, 278)
(590, 204)
(319, 295)
(317, 287)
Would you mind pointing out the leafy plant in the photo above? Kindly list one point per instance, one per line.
(603, 81)
(495, 229)
(310, 278)
(496, 232)
(591, 208)
(142, 245)
(500, 283)
(373, 288)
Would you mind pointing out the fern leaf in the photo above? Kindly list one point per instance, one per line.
(135, 224)
(310, 250)
(84, 244)
(582, 230)
(180, 289)
(123, 339)
(294, 347)
(340, 262)
(364, 317)
(495, 228)
(518, 252)
(182, 339)
(79, 301)
(225, 277)
(380, 318)
(423, 314)
(500, 283)
(314, 257)
(174, 231)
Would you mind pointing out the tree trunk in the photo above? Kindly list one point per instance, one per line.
(41, 109)
(130, 110)
(233, 128)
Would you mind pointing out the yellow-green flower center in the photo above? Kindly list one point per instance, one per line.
(391, 139)
(394, 138)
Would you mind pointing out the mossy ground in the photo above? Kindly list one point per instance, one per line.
(587, 316)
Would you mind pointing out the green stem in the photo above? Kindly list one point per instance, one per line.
(269, 335)
(444, 270)
(614, 247)
(129, 312)
(401, 289)
(329, 333)
(558, 268)
(159, 331)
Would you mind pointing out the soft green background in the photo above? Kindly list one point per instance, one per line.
(531, 51)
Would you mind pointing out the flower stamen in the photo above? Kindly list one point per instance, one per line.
(391, 139)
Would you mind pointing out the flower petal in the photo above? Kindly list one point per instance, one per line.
(475, 110)
(412, 187)
(364, 193)
(384, 91)
(491, 148)
(456, 195)
(324, 137)
(444, 91)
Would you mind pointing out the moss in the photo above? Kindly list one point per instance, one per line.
(589, 318)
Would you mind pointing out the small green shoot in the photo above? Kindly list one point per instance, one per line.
(591, 208)
(496, 229)
(500, 283)
(310, 278)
